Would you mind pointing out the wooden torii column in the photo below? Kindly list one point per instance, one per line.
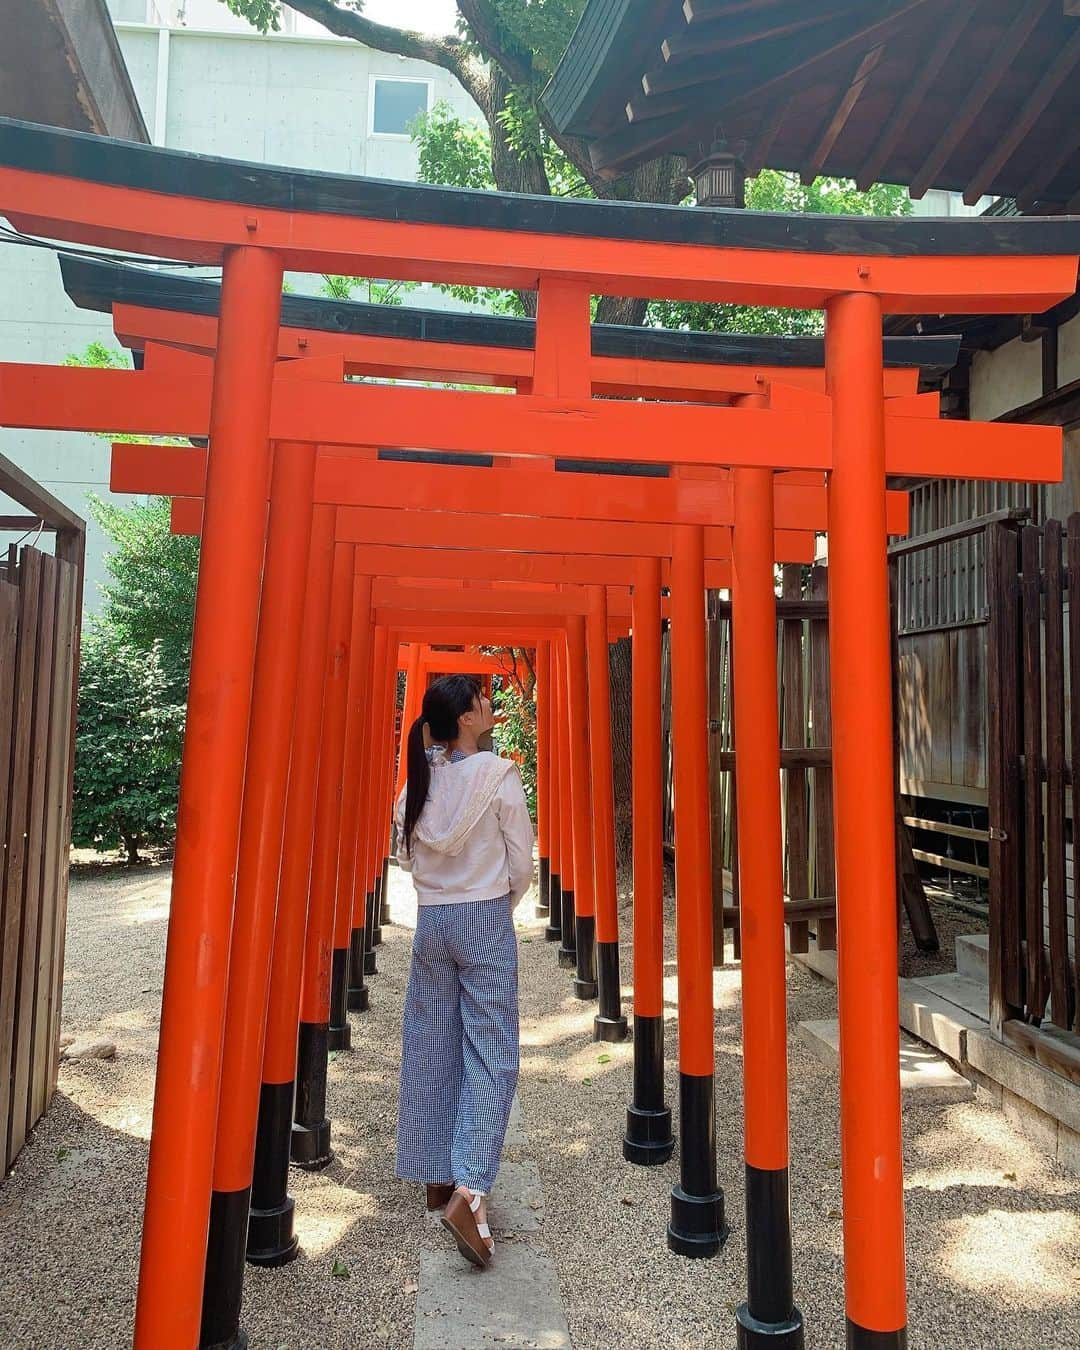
(126, 197)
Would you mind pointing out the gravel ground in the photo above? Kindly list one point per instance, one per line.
(993, 1226)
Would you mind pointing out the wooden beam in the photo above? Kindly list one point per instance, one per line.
(36, 499)
(788, 65)
(758, 152)
(839, 118)
(729, 34)
(79, 399)
(979, 95)
(1047, 169)
(895, 128)
(1047, 84)
(14, 523)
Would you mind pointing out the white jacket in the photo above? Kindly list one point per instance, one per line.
(474, 838)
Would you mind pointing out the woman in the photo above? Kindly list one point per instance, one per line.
(465, 835)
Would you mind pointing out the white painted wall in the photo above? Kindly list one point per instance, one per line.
(1005, 379)
(296, 100)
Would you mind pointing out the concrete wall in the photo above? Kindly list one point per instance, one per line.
(291, 100)
(1005, 379)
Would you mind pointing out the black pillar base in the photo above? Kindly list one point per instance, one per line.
(543, 889)
(339, 1038)
(223, 1288)
(371, 901)
(374, 926)
(383, 915)
(356, 994)
(585, 985)
(648, 1141)
(271, 1240)
(770, 1300)
(697, 1227)
(567, 960)
(339, 1033)
(612, 1029)
(861, 1338)
(553, 931)
(310, 1146)
(754, 1335)
(238, 1341)
(567, 929)
(610, 1024)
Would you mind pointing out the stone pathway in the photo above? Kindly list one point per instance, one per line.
(516, 1302)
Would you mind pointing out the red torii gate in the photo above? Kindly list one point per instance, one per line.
(125, 200)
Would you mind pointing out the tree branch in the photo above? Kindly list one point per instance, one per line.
(515, 62)
(447, 52)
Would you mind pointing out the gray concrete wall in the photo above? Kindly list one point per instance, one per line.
(301, 101)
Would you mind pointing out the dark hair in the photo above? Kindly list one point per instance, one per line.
(445, 701)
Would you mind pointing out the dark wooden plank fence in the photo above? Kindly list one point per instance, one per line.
(1034, 745)
(40, 612)
(805, 758)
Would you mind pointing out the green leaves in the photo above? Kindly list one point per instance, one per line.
(340, 1271)
(133, 682)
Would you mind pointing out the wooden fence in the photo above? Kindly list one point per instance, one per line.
(1034, 755)
(805, 760)
(40, 609)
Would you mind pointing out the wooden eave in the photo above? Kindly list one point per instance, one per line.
(975, 96)
(60, 63)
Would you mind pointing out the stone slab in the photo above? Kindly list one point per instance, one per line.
(1056, 1096)
(821, 963)
(515, 1128)
(514, 1304)
(942, 1024)
(969, 995)
(517, 1200)
(924, 1074)
(973, 956)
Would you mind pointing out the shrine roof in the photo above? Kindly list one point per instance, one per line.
(976, 98)
(98, 285)
(181, 174)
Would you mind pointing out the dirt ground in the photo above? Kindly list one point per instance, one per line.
(993, 1225)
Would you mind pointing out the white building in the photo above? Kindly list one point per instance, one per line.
(205, 81)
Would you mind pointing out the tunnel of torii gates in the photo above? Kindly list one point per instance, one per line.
(258, 796)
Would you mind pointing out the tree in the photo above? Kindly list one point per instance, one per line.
(133, 682)
(503, 55)
(128, 742)
(149, 599)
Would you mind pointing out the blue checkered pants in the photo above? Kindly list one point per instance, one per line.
(459, 1061)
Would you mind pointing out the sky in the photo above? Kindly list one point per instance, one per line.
(427, 16)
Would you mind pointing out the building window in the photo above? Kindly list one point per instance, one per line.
(395, 103)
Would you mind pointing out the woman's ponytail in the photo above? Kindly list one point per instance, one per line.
(418, 780)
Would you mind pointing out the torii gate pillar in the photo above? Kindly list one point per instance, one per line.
(871, 1149)
(172, 1263)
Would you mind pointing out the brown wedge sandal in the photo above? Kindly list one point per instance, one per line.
(439, 1194)
(473, 1239)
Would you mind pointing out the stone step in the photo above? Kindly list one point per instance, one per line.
(972, 996)
(925, 1076)
(935, 1020)
(972, 956)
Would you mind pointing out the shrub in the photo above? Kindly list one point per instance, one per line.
(127, 747)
